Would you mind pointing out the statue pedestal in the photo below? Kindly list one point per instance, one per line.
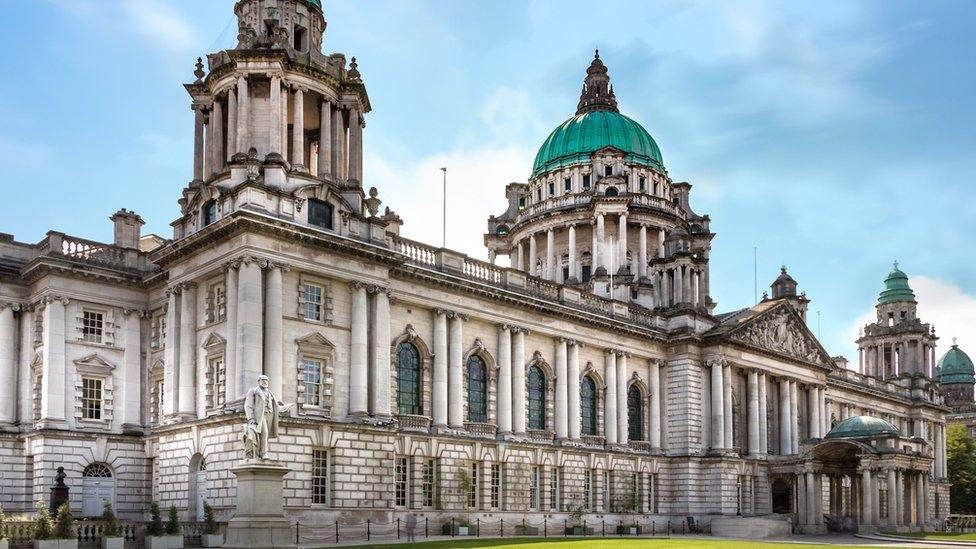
(260, 519)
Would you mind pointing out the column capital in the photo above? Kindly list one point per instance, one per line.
(64, 300)
(141, 313)
(186, 285)
(454, 314)
(247, 259)
(283, 267)
(12, 305)
(625, 354)
(519, 330)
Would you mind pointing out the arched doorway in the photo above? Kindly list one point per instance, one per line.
(198, 483)
(97, 487)
(780, 495)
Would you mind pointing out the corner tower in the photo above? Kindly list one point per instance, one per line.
(600, 212)
(278, 125)
(897, 343)
(957, 377)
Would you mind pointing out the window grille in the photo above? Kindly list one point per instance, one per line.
(312, 301)
(477, 390)
(635, 414)
(473, 493)
(97, 470)
(537, 398)
(92, 326)
(588, 406)
(312, 381)
(496, 485)
(91, 398)
(536, 496)
(409, 380)
(402, 481)
(429, 487)
(320, 476)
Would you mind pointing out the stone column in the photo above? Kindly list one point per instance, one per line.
(188, 346)
(518, 381)
(573, 390)
(358, 341)
(250, 323)
(131, 394)
(718, 406)
(562, 390)
(753, 386)
(298, 129)
(919, 499)
(325, 139)
(455, 379)
(794, 420)
(274, 329)
(867, 498)
(802, 507)
(785, 444)
(504, 379)
(936, 462)
(574, 275)
(198, 142)
(622, 245)
(660, 242)
(727, 401)
(811, 406)
(231, 128)
(600, 255)
(533, 257)
(677, 282)
(243, 116)
(519, 258)
(622, 415)
(642, 252)
(338, 132)
(923, 486)
(171, 354)
(380, 356)
(654, 379)
(275, 119)
(610, 402)
(892, 499)
(900, 497)
(8, 368)
(355, 146)
(440, 368)
(231, 358)
(550, 255)
(668, 295)
(763, 425)
(812, 493)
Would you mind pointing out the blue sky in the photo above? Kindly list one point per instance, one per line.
(836, 137)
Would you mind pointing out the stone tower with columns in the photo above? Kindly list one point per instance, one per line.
(600, 212)
(898, 343)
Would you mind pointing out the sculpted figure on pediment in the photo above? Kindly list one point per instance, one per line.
(780, 332)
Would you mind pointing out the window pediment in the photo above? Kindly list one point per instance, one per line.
(214, 341)
(314, 343)
(94, 364)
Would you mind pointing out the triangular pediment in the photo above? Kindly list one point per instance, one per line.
(314, 339)
(780, 330)
(94, 360)
(214, 340)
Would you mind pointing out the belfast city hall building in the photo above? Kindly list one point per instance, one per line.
(593, 375)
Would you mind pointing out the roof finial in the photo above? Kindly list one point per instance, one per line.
(782, 269)
(954, 342)
(896, 263)
(597, 54)
(199, 72)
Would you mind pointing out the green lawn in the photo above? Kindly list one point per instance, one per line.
(596, 543)
(940, 535)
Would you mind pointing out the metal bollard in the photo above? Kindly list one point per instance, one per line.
(367, 529)
(653, 532)
(603, 528)
(398, 528)
(545, 528)
(477, 533)
(297, 526)
(426, 523)
(501, 530)
(337, 531)
(452, 527)
(584, 527)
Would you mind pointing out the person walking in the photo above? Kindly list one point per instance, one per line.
(411, 527)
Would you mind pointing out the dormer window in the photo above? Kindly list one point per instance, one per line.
(209, 213)
(299, 36)
(521, 202)
(538, 194)
(552, 189)
(608, 171)
(568, 184)
(586, 181)
(655, 189)
(642, 183)
(320, 213)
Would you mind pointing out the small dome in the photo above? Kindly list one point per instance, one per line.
(784, 285)
(896, 287)
(317, 4)
(862, 427)
(956, 367)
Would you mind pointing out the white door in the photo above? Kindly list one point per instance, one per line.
(201, 493)
(95, 492)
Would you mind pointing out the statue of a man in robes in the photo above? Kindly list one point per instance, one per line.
(262, 410)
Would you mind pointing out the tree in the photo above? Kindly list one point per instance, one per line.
(3, 529)
(42, 522)
(155, 526)
(64, 528)
(209, 522)
(961, 460)
(110, 524)
(173, 524)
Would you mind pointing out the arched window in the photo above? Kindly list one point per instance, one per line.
(209, 212)
(98, 486)
(537, 398)
(611, 191)
(635, 414)
(588, 406)
(477, 390)
(408, 380)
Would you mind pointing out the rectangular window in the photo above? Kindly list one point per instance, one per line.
(312, 381)
(607, 492)
(567, 184)
(216, 302)
(652, 493)
(92, 326)
(475, 485)
(552, 189)
(521, 203)
(642, 183)
(538, 194)
(402, 476)
(536, 496)
(319, 213)
(320, 477)
(313, 299)
(496, 485)
(91, 398)
(554, 483)
(588, 491)
(158, 395)
(637, 492)
(429, 487)
(608, 170)
(586, 181)
(655, 188)
(215, 371)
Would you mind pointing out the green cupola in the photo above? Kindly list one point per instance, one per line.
(956, 367)
(862, 427)
(597, 124)
(896, 287)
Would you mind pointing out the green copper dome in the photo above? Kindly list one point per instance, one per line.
(862, 426)
(597, 124)
(896, 287)
(576, 139)
(956, 367)
(315, 4)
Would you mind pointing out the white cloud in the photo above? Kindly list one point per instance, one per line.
(942, 304)
(162, 25)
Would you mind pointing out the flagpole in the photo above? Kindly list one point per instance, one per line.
(444, 218)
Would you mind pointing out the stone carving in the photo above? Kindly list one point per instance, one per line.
(779, 331)
(263, 412)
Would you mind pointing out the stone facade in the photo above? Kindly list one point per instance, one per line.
(425, 381)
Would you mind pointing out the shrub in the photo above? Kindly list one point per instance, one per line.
(64, 528)
(173, 524)
(43, 527)
(3, 529)
(110, 524)
(155, 526)
(209, 522)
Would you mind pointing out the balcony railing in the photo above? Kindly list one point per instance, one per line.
(57, 244)
(414, 423)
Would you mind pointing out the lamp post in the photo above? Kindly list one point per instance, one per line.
(738, 496)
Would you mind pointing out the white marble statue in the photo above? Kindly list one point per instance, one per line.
(263, 411)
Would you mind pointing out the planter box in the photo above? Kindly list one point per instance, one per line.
(56, 544)
(526, 530)
(628, 529)
(211, 540)
(459, 530)
(113, 543)
(4, 544)
(579, 530)
(164, 542)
